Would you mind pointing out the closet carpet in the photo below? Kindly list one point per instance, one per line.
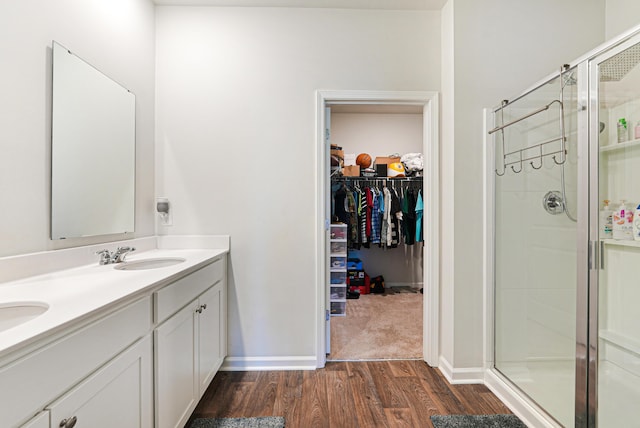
(379, 326)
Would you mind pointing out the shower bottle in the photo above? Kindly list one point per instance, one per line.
(623, 223)
(623, 132)
(636, 224)
(606, 222)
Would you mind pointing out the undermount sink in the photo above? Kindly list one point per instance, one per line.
(149, 263)
(15, 313)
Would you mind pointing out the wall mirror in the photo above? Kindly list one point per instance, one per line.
(92, 151)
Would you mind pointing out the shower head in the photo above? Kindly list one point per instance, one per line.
(615, 68)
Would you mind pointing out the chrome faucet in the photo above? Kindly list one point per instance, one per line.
(118, 256)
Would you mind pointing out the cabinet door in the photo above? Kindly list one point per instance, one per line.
(40, 421)
(210, 324)
(175, 368)
(117, 395)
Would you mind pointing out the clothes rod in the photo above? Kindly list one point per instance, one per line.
(541, 109)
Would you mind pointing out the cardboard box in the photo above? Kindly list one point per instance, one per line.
(351, 171)
(337, 157)
(385, 160)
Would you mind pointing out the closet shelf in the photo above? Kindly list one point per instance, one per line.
(621, 243)
(620, 146)
(629, 344)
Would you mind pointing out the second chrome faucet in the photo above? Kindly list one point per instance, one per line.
(107, 257)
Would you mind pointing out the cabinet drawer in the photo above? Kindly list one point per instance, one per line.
(30, 383)
(173, 297)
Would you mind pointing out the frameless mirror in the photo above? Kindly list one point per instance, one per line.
(92, 151)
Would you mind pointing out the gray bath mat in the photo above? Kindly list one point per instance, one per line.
(477, 421)
(263, 422)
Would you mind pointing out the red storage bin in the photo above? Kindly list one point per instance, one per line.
(362, 286)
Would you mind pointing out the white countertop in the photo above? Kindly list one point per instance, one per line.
(79, 293)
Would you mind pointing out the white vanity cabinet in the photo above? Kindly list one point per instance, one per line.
(142, 360)
(30, 382)
(190, 341)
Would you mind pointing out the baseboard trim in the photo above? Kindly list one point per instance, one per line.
(460, 376)
(527, 411)
(269, 363)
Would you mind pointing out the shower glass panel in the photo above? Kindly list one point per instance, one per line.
(618, 317)
(536, 245)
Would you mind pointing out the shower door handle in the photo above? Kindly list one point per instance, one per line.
(596, 255)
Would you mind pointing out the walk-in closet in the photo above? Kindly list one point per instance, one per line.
(376, 244)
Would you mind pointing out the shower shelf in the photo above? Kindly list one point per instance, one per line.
(620, 146)
(621, 243)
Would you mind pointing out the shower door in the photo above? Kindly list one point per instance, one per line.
(614, 335)
(536, 228)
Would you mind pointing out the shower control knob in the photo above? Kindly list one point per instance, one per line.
(553, 202)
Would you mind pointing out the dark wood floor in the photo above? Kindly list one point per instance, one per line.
(346, 394)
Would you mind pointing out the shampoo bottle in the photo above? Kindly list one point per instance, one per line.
(606, 222)
(622, 223)
(636, 224)
(623, 132)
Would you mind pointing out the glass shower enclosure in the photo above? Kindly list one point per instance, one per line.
(535, 244)
(566, 266)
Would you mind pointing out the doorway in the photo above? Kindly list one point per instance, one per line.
(427, 103)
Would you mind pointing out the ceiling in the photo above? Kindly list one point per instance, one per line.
(334, 4)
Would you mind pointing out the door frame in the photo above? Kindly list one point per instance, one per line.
(430, 103)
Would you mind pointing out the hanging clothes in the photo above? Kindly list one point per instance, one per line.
(375, 217)
(419, 212)
(363, 218)
(387, 217)
(409, 216)
(396, 218)
(352, 225)
(339, 205)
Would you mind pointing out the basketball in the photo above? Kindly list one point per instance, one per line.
(364, 160)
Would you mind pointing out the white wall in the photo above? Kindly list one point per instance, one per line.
(500, 48)
(621, 15)
(117, 37)
(236, 130)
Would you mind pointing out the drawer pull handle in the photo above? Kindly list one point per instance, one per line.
(68, 423)
(201, 308)
(204, 306)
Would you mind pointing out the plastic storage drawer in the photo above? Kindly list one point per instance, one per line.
(338, 277)
(338, 292)
(338, 309)
(338, 263)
